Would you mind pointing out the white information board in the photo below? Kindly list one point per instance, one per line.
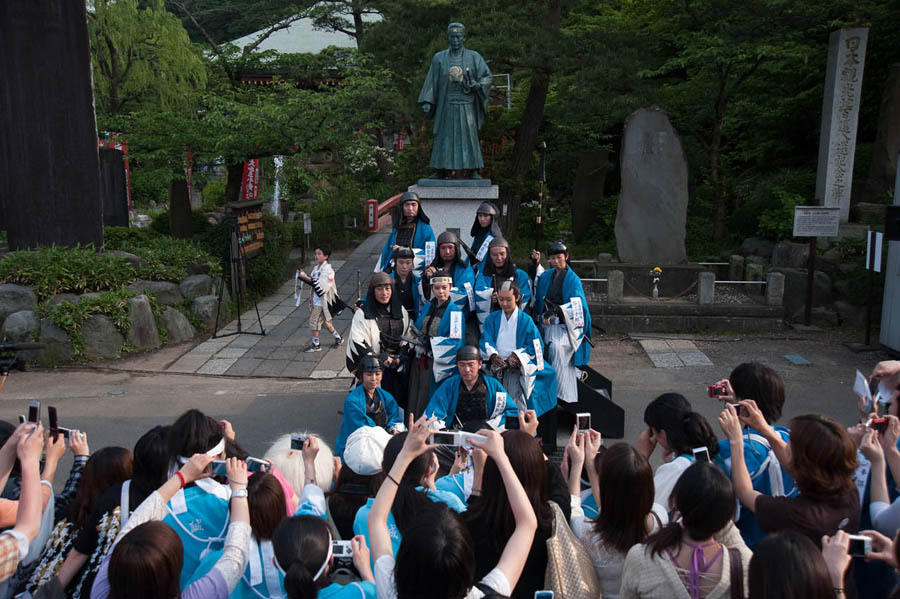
(816, 221)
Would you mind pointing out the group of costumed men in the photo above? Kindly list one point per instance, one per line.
(462, 334)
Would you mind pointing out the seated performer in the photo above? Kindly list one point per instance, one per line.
(406, 284)
(441, 331)
(512, 343)
(470, 400)
(484, 229)
(450, 259)
(377, 328)
(411, 229)
(497, 269)
(561, 307)
(368, 405)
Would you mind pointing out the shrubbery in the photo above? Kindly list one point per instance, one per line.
(53, 270)
(169, 257)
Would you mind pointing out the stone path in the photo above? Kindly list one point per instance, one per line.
(279, 353)
(674, 353)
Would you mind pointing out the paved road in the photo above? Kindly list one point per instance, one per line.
(116, 407)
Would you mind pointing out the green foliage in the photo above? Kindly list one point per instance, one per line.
(266, 272)
(214, 194)
(850, 247)
(761, 191)
(70, 316)
(115, 238)
(53, 270)
(169, 257)
(778, 223)
(150, 184)
(160, 223)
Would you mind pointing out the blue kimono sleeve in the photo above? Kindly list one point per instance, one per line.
(391, 409)
(443, 400)
(354, 417)
(387, 253)
(424, 234)
(543, 285)
(524, 285)
(488, 342)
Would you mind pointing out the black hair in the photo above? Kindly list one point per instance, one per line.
(193, 432)
(301, 544)
(350, 493)
(233, 449)
(436, 558)
(752, 380)
(151, 458)
(684, 428)
(706, 500)
(324, 249)
(408, 502)
(786, 565)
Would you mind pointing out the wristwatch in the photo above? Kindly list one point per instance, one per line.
(239, 493)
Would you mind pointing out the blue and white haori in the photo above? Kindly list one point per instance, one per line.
(423, 246)
(445, 398)
(484, 289)
(450, 338)
(536, 379)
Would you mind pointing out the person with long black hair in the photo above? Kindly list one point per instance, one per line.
(303, 548)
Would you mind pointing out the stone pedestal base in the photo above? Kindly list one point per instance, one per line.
(452, 207)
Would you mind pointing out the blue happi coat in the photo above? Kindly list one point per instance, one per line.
(424, 234)
(571, 287)
(199, 515)
(355, 415)
(443, 402)
(484, 289)
(538, 377)
(443, 347)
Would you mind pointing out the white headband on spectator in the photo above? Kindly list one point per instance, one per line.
(327, 559)
(215, 451)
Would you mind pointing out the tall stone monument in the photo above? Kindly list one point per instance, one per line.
(652, 211)
(840, 113)
(49, 165)
(455, 94)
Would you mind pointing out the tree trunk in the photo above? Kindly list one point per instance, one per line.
(526, 136)
(358, 24)
(179, 209)
(715, 174)
(49, 164)
(590, 179)
(233, 184)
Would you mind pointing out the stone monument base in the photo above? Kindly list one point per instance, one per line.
(452, 204)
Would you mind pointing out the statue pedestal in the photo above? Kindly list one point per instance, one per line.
(451, 205)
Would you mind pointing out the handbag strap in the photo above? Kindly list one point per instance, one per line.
(736, 568)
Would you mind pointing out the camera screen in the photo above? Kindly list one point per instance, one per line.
(257, 465)
(341, 549)
(584, 422)
(34, 411)
(443, 439)
(701, 454)
(857, 548)
(297, 441)
(218, 468)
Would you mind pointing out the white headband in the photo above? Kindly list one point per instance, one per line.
(327, 559)
(219, 448)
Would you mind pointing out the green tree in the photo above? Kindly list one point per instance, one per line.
(345, 16)
(140, 56)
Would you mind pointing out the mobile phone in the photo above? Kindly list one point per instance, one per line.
(21, 418)
(65, 432)
(860, 545)
(701, 454)
(53, 421)
(584, 422)
(543, 595)
(218, 468)
(297, 441)
(34, 411)
(341, 549)
(512, 424)
(257, 465)
(455, 438)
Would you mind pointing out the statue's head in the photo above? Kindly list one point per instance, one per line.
(456, 33)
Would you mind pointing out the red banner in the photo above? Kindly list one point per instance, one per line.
(250, 180)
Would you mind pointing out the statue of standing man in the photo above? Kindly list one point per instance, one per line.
(455, 94)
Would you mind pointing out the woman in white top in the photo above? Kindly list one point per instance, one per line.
(435, 558)
(690, 559)
(677, 430)
(624, 483)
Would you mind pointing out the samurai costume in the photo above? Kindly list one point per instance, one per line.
(408, 291)
(482, 236)
(463, 287)
(560, 295)
(455, 406)
(490, 278)
(361, 410)
(442, 332)
(378, 329)
(416, 235)
(322, 281)
(532, 385)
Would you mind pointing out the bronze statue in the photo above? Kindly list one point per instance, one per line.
(455, 94)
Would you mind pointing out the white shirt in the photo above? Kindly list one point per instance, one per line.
(316, 300)
(506, 336)
(386, 589)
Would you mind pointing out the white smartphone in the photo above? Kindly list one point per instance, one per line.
(455, 438)
(584, 422)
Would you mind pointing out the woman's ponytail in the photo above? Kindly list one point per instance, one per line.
(302, 547)
(298, 581)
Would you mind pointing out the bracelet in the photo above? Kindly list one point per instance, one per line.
(391, 478)
(181, 476)
(476, 491)
(838, 591)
